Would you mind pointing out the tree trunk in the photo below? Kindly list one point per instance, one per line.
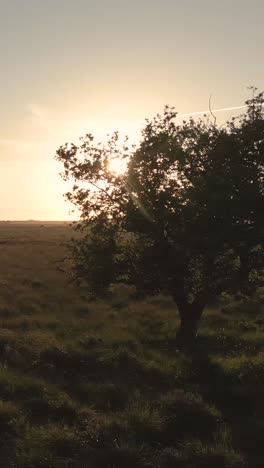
(190, 315)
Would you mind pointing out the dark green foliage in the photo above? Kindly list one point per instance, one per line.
(185, 218)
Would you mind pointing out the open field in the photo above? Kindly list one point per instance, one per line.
(102, 384)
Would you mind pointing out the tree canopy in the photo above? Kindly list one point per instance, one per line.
(185, 217)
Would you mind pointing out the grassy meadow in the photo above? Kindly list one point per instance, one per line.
(101, 384)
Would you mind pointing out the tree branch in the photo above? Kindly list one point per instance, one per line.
(210, 109)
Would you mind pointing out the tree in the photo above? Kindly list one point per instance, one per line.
(185, 218)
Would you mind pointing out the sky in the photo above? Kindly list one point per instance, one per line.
(71, 67)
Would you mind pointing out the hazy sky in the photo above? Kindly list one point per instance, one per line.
(70, 67)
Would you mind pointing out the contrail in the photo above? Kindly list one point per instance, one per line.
(212, 111)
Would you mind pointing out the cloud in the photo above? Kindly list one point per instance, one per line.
(36, 111)
(40, 117)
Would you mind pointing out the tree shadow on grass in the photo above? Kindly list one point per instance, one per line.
(241, 405)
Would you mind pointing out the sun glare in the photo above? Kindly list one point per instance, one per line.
(117, 165)
(102, 129)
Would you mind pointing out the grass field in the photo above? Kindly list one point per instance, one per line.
(103, 385)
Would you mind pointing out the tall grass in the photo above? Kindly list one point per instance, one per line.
(102, 384)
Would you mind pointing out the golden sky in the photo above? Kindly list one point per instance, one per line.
(73, 67)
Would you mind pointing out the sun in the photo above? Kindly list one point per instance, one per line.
(117, 166)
